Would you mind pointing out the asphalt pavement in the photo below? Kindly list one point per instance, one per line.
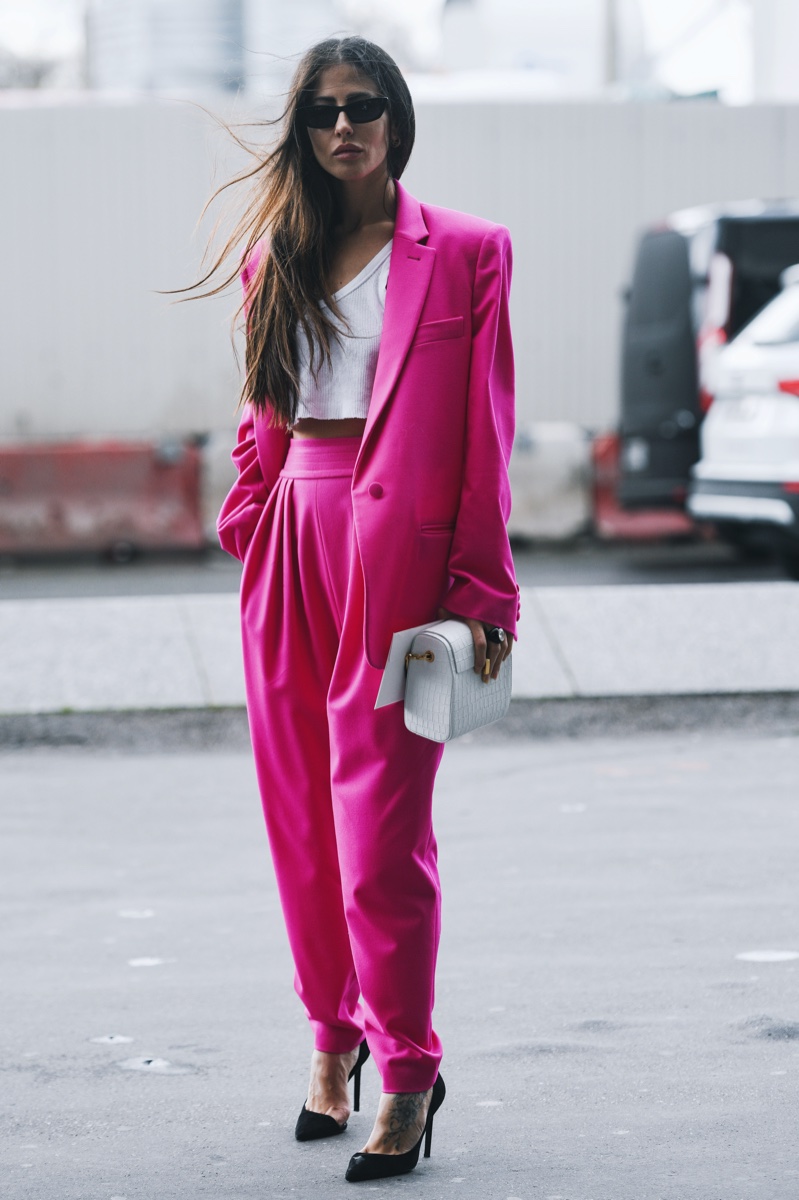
(585, 561)
(617, 988)
(617, 983)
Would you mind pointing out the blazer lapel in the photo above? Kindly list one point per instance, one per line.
(410, 270)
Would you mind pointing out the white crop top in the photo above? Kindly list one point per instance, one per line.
(344, 386)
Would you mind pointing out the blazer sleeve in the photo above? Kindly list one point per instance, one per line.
(482, 577)
(245, 501)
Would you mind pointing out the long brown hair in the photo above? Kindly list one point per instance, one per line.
(293, 207)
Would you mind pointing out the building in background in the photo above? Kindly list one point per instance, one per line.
(648, 49)
(562, 40)
(775, 39)
(203, 45)
(17, 71)
(165, 45)
(276, 34)
(410, 31)
(578, 46)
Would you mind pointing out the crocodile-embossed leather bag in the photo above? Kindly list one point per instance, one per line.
(444, 698)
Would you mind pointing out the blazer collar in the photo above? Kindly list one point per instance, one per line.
(408, 221)
(409, 273)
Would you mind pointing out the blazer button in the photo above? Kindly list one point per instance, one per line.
(375, 490)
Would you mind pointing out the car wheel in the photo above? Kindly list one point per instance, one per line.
(751, 543)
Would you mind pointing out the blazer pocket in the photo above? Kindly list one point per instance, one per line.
(440, 527)
(437, 331)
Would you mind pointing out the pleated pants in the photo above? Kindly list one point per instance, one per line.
(346, 790)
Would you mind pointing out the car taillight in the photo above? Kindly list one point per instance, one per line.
(789, 385)
(712, 336)
(705, 399)
(793, 488)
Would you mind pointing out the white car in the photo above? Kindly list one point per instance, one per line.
(747, 478)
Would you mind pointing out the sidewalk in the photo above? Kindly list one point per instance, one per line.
(183, 652)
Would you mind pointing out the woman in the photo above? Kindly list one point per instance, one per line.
(372, 496)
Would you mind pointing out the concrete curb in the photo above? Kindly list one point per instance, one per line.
(225, 729)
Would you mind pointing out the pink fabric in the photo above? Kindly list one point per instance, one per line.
(347, 791)
(430, 488)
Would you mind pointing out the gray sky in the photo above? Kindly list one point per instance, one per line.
(41, 26)
(716, 56)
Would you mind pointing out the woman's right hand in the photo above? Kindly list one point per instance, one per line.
(493, 652)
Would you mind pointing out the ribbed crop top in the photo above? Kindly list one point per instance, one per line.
(343, 387)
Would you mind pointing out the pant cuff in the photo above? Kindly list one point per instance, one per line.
(410, 1076)
(335, 1040)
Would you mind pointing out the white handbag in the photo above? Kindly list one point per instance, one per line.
(444, 698)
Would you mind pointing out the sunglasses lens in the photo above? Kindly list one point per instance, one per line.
(366, 110)
(319, 116)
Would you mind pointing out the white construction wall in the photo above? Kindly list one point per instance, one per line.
(97, 211)
(99, 202)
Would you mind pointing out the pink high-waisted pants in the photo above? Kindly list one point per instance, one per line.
(346, 790)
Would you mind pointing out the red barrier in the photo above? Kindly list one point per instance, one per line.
(611, 521)
(111, 496)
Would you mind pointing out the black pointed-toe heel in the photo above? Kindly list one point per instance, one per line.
(381, 1166)
(313, 1125)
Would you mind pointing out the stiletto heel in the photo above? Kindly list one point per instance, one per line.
(428, 1137)
(363, 1166)
(356, 1087)
(313, 1125)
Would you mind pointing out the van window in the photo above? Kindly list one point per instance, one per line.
(661, 285)
(777, 323)
(760, 250)
(701, 248)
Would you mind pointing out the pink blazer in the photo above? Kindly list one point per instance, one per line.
(430, 490)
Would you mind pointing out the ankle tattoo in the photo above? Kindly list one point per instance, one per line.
(405, 1114)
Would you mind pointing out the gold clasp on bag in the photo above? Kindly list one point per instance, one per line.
(428, 656)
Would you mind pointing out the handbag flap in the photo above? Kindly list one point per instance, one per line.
(452, 638)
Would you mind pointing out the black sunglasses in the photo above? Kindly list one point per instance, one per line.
(325, 116)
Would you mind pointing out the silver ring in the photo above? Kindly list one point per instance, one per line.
(495, 634)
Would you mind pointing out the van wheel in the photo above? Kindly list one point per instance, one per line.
(789, 560)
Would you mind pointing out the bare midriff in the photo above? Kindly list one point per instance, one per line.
(313, 427)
